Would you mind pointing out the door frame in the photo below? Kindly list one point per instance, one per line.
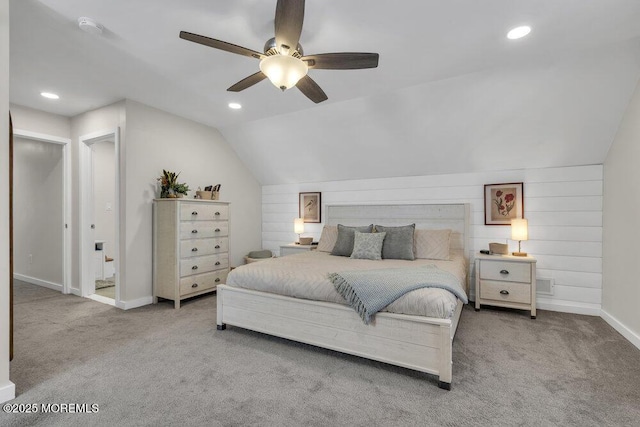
(66, 204)
(87, 246)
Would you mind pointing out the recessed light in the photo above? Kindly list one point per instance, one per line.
(518, 32)
(235, 106)
(49, 95)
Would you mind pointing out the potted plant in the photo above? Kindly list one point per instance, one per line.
(169, 185)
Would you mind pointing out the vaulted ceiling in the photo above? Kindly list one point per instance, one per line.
(451, 93)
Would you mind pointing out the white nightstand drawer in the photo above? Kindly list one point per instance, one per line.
(505, 291)
(203, 229)
(200, 282)
(203, 264)
(201, 247)
(203, 212)
(505, 271)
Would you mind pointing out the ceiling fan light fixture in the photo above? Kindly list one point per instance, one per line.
(519, 32)
(284, 71)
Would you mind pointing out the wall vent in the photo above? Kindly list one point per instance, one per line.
(545, 286)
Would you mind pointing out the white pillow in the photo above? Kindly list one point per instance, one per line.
(328, 238)
(432, 244)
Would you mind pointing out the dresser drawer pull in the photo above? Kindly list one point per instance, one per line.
(217, 213)
(217, 230)
(217, 247)
(194, 213)
(217, 280)
(217, 262)
(504, 292)
(194, 250)
(194, 231)
(195, 285)
(504, 271)
(195, 267)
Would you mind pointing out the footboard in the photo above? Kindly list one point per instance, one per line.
(414, 342)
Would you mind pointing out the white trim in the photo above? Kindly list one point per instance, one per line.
(568, 307)
(87, 283)
(128, 305)
(7, 392)
(38, 282)
(66, 191)
(102, 299)
(622, 328)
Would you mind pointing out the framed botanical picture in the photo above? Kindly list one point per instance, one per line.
(502, 203)
(309, 206)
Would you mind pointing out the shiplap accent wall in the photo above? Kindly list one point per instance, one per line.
(563, 206)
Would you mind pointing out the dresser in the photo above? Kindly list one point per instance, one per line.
(506, 281)
(190, 247)
(295, 249)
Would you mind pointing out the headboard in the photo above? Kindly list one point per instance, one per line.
(437, 216)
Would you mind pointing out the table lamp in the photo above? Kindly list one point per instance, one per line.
(519, 232)
(298, 227)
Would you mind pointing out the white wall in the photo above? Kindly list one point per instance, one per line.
(7, 388)
(158, 140)
(104, 189)
(621, 289)
(25, 118)
(38, 211)
(563, 205)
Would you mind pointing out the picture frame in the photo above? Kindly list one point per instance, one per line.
(503, 202)
(310, 207)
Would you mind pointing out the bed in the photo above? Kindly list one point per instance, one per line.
(413, 341)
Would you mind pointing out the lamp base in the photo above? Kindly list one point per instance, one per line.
(519, 253)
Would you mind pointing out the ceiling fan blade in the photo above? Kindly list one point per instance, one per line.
(342, 61)
(219, 44)
(248, 82)
(289, 19)
(311, 89)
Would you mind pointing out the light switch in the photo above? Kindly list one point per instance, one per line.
(108, 207)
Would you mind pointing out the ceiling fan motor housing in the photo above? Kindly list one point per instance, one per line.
(270, 48)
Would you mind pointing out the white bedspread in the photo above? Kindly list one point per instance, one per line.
(304, 276)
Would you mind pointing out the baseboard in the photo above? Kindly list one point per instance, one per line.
(101, 299)
(620, 327)
(75, 292)
(568, 307)
(7, 392)
(128, 305)
(39, 282)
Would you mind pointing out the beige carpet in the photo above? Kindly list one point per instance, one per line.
(158, 366)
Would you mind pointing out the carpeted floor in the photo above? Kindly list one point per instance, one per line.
(159, 366)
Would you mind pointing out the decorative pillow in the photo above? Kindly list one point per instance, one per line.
(433, 244)
(367, 245)
(346, 235)
(328, 238)
(399, 242)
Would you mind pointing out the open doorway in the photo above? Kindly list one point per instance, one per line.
(99, 217)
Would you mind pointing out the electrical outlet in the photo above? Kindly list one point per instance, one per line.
(30, 259)
(108, 207)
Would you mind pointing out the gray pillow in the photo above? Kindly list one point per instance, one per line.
(367, 245)
(346, 235)
(398, 244)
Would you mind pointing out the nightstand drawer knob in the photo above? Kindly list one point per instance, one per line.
(504, 271)
(195, 285)
(217, 262)
(194, 213)
(194, 250)
(217, 247)
(217, 213)
(217, 230)
(504, 292)
(217, 280)
(194, 231)
(195, 267)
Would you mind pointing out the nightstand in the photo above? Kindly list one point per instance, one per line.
(295, 249)
(506, 281)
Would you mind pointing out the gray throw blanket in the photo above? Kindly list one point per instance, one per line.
(370, 291)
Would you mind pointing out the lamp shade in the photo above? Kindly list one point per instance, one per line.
(284, 71)
(519, 229)
(298, 225)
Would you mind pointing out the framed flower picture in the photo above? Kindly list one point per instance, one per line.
(309, 206)
(502, 203)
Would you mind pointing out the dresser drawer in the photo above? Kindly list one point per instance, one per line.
(203, 264)
(203, 212)
(203, 229)
(201, 247)
(200, 282)
(507, 271)
(505, 291)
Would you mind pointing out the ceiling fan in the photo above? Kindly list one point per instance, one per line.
(283, 60)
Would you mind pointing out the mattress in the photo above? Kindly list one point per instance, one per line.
(304, 275)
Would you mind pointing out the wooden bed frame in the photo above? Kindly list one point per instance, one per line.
(420, 343)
